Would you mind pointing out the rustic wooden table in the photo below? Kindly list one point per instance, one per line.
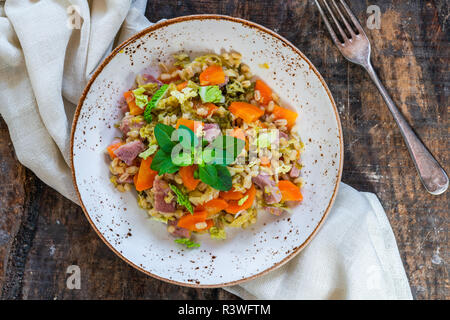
(42, 233)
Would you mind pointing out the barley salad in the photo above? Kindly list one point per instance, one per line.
(206, 146)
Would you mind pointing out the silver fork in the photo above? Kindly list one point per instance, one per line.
(355, 47)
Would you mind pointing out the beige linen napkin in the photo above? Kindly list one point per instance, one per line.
(49, 49)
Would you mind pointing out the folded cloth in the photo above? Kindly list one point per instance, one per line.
(353, 256)
(49, 49)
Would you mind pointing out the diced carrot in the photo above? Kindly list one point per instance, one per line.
(187, 175)
(240, 134)
(265, 162)
(246, 111)
(211, 108)
(289, 191)
(264, 91)
(214, 206)
(212, 75)
(185, 122)
(191, 124)
(131, 101)
(283, 113)
(112, 148)
(233, 205)
(262, 124)
(129, 96)
(182, 85)
(189, 221)
(231, 195)
(144, 178)
(209, 224)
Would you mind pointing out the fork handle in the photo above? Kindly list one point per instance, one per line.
(431, 173)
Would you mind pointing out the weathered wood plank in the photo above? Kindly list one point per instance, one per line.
(41, 233)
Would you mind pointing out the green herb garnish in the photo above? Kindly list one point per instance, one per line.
(212, 168)
(162, 163)
(227, 149)
(188, 242)
(163, 134)
(186, 137)
(215, 175)
(182, 198)
(154, 102)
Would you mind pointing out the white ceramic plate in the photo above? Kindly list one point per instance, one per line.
(246, 254)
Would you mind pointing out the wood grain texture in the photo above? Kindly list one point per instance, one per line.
(42, 233)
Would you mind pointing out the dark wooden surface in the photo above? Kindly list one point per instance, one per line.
(42, 233)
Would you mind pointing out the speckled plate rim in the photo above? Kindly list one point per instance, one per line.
(157, 26)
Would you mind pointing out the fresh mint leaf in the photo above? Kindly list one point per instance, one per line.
(227, 149)
(183, 158)
(158, 160)
(163, 134)
(224, 183)
(196, 174)
(186, 137)
(168, 167)
(182, 198)
(229, 143)
(208, 174)
(217, 176)
(188, 242)
(154, 102)
(162, 163)
(208, 155)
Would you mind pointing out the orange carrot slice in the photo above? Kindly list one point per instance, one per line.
(211, 108)
(112, 148)
(234, 207)
(231, 195)
(265, 92)
(212, 75)
(209, 224)
(283, 113)
(238, 133)
(265, 162)
(182, 85)
(131, 101)
(191, 124)
(189, 221)
(289, 191)
(246, 111)
(144, 178)
(214, 206)
(187, 175)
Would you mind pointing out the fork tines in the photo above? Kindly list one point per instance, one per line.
(343, 26)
